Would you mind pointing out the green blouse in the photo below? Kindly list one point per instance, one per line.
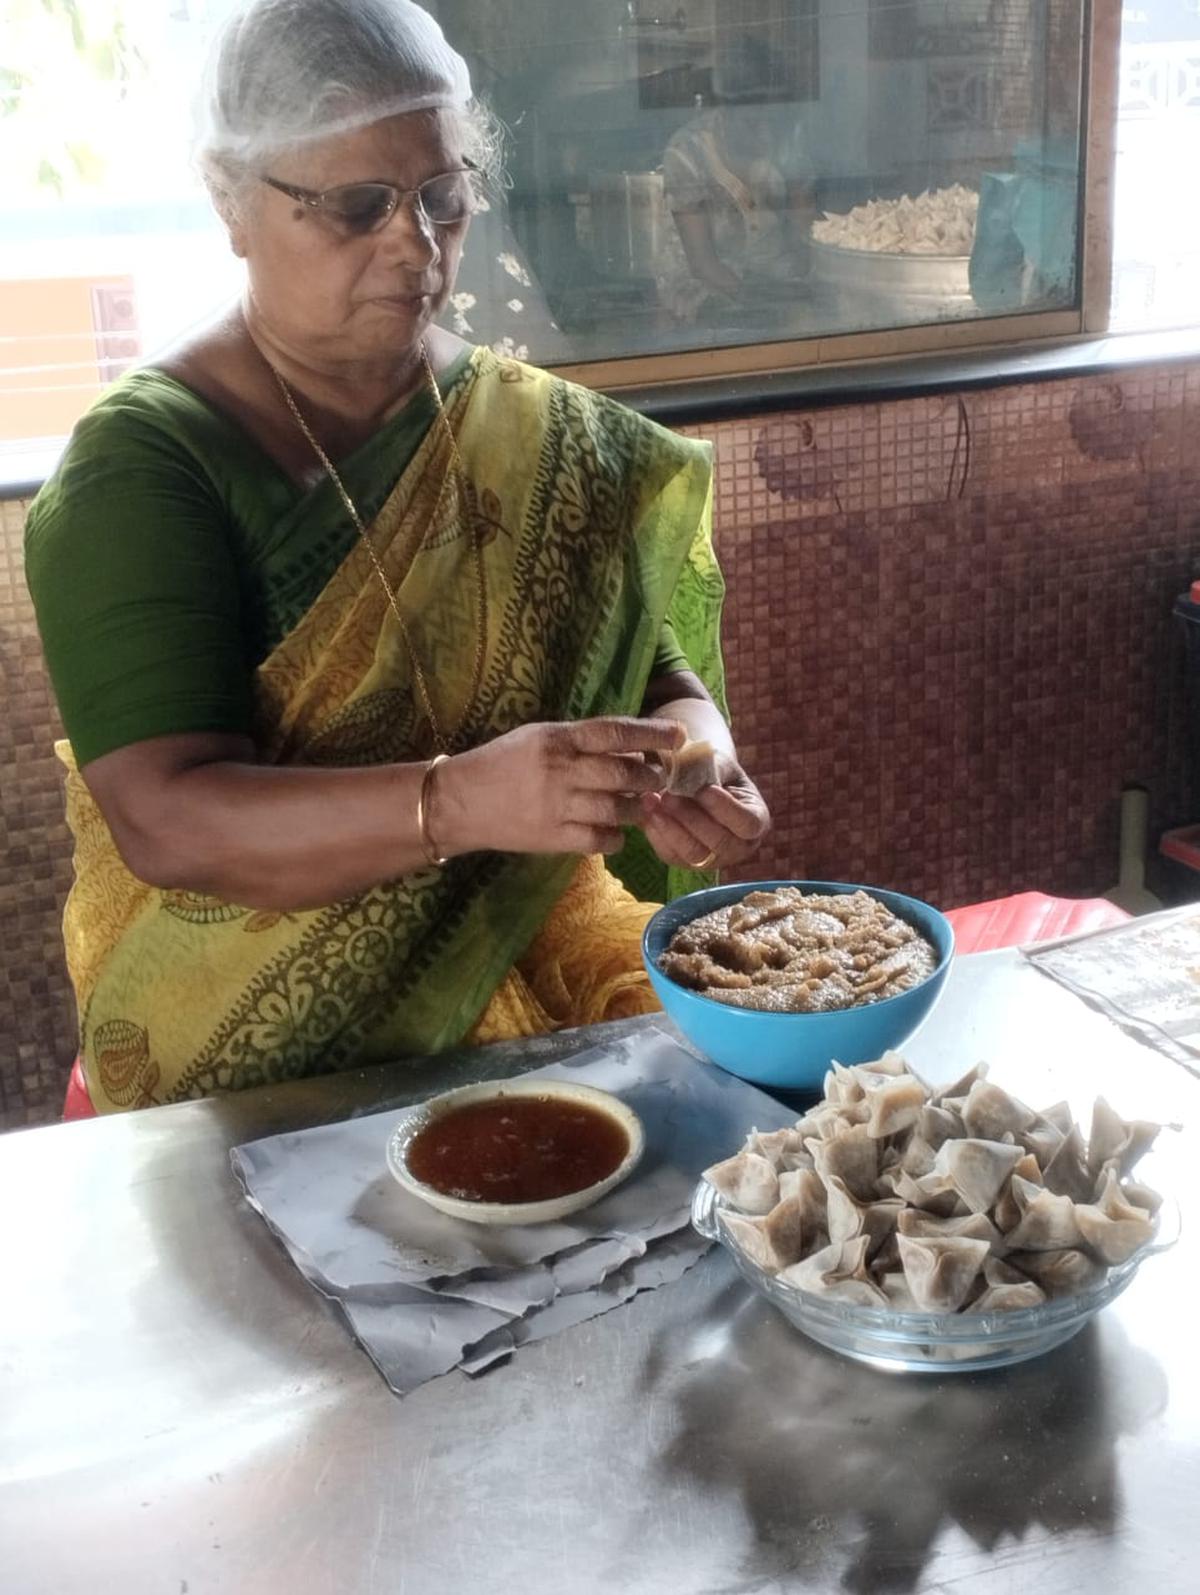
(168, 555)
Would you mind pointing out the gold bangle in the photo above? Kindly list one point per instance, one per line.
(424, 804)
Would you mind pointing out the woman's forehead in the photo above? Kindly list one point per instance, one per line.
(404, 149)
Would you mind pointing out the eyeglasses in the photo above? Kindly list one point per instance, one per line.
(360, 208)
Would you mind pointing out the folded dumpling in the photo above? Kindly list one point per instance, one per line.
(774, 1240)
(894, 1101)
(961, 1087)
(1047, 1225)
(1059, 1115)
(1042, 1140)
(917, 1157)
(990, 1113)
(888, 1063)
(1136, 1194)
(975, 1226)
(806, 1187)
(936, 1125)
(824, 1129)
(1066, 1172)
(1008, 1298)
(1115, 1138)
(854, 1157)
(997, 1272)
(977, 1169)
(1022, 1186)
(843, 1086)
(775, 1145)
(748, 1180)
(932, 1192)
(1059, 1273)
(941, 1271)
(894, 1286)
(838, 1272)
(849, 1218)
(1112, 1226)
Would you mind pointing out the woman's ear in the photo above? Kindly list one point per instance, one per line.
(230, 212)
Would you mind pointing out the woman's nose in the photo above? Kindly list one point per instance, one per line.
(408, 235)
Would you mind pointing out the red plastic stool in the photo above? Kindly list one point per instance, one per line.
(78, 1104)
(1028, 917)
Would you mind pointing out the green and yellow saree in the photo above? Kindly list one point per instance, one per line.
(597, 533)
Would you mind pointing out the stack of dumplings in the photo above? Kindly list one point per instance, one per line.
(941, 222)
(893, 1194)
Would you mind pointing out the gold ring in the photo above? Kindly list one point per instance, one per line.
(707, 861)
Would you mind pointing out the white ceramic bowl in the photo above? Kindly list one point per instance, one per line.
(545, 1212)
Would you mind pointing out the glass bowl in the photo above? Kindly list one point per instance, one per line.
(933, 1342)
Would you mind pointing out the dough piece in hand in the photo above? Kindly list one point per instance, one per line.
(690, 769)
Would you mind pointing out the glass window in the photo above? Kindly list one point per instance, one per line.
(682, 175)
(694, 173)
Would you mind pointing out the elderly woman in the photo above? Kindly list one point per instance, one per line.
(364, 639)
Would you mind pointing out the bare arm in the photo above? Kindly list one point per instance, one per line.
(196, 813)
(681, 695)
(699, 246)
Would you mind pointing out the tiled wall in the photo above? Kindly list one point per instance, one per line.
(37, 1012)
(948, 642)
(948, 630)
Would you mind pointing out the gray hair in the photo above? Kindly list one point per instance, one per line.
(285, 73)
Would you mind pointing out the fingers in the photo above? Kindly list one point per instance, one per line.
(732, 813)
(605, 809)
(614, 772)
(673, 840)
(592, 839)
(624, 734)
(710, 834)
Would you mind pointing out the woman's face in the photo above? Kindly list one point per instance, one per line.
(336, 297)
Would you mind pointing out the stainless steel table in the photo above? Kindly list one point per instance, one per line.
(180, 1414)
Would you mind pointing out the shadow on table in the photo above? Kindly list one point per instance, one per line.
(850, 1476)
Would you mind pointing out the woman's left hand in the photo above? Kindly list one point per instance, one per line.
(718, 828)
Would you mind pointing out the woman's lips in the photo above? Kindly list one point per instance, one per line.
(405, 301)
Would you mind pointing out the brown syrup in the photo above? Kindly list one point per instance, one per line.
(517, 1149)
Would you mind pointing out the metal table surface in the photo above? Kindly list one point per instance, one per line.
(180, 1413)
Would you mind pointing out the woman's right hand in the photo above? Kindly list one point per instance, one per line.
(564, 787)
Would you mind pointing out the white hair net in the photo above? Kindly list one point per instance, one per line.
(284, 72)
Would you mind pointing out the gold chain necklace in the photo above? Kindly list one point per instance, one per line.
(444, 740)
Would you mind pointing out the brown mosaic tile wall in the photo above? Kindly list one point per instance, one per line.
(949, 646)
(37, 1010)
(948, 630)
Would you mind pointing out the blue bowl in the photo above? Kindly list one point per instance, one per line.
(792, 1051)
